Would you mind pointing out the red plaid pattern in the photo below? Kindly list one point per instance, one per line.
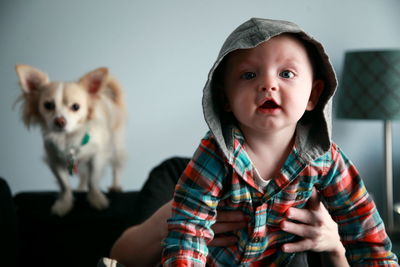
(211, 180)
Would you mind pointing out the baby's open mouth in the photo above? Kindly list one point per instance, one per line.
(269, 104)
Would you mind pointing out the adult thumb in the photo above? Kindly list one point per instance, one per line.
(314, 201)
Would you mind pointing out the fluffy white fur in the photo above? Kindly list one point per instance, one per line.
(69, 114)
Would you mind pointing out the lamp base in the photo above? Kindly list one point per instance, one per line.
(389, 220)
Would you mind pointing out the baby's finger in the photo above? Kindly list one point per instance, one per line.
(299, 229)
(224, 227)
(303, 245)
(223, 241)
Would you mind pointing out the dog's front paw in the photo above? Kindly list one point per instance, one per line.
(98, 200)
(115, 188)
(62, 206)
(82, 187)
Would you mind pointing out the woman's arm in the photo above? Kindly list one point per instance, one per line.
(140, 245)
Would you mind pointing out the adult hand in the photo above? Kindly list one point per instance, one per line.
(227, 221)
(316, 227)
(128, 249)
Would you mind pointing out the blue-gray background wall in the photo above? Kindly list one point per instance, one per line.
(161, 52)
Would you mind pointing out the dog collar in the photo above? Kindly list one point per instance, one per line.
(72, 162)
(85, 139)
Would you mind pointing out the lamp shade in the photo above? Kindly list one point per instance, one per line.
(370, 85)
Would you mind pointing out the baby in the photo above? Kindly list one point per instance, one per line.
(267, 103)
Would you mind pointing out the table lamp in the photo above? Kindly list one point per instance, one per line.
(370, 89)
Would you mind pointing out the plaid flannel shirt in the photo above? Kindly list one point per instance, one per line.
(211, 180)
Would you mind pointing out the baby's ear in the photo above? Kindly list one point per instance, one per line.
(30, 78)
(94, 80)
(317, 89)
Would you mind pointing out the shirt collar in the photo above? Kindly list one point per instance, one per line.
(243, 166)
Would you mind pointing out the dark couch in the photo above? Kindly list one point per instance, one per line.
(38, 238)
(31, 236)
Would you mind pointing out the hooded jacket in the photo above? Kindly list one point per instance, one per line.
(221, 174)
(314, 134)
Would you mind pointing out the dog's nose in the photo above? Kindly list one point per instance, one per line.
(60, 122)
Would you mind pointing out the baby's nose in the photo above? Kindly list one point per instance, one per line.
(266, 89)
(268, 83)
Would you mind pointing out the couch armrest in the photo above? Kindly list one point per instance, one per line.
(8, 226)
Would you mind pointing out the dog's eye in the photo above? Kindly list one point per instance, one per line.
(49, 105)
(75, 107)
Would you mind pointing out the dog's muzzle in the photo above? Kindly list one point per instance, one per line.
(60, 123)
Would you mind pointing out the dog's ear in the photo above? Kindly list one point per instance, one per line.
(30, 78)
(95, 80)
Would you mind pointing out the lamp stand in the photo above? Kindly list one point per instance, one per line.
(388, 177)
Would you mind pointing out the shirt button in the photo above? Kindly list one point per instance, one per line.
(256, 239)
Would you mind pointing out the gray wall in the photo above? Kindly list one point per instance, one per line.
(161, 52)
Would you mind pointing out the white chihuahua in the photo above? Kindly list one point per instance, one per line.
(82, 125)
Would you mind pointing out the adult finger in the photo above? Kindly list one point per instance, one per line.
(314, 201)
(223, 241)
(301, 215)
(302, 245)
(309, 214)
(224, 227)
(230, 216)
(303, 230)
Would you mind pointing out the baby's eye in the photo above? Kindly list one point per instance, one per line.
(287, 74)
(248, 75)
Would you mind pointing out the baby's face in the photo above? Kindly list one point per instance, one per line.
(269, 87)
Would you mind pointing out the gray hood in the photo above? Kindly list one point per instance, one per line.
(313, 133)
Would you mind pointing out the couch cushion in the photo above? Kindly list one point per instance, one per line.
(80, 238)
